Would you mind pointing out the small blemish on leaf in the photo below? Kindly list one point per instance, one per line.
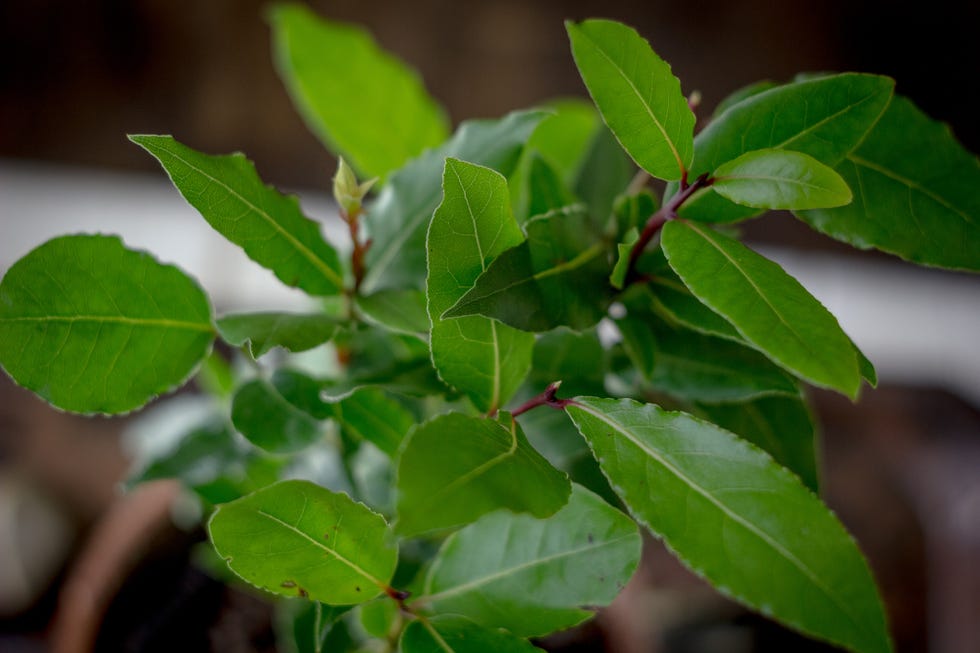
(356, 588)
(302, 592)
(287, 584)
(326, 536)
(591, 539)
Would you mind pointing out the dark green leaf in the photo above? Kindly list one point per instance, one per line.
(399, 310)
(295, 538)
(605, 173)
(738, 519)
(93, 327)
(480, 357)
(563, 137)
(740, 94)
(369, 414)
(624, 254)
(398, 220)
(455, 468)
(768, 307)
(573, 358)
(781, 426)
(455, 634)
(780, 179)
(633, 211)
(824, 117)
(667, 296)
(263, 331)
(915, 193)
(637, 95)
(546, 190)
(269, 226)
(533, 576)
(557, 277)
(281, 414)
(359, 100)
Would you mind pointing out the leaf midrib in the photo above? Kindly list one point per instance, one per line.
(117, 319)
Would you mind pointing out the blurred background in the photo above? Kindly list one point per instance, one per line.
(901, 467)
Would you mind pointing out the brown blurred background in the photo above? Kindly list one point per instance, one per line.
(902, 467)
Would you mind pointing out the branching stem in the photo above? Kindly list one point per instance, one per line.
(546, 398)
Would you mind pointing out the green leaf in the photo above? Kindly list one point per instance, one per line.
(263, 331)
(398, 310)
(563, 138)
(737, 519)
(617, 279)
(781, 426)
(455, 634)
(359, 100)
(740, 94)
(281, 414)
(699, 367)
(824, 117)
(398, 220)
(768, 307)
(633, 211)
(780, 179)
(295, 538)
(370, 414)
(637, 95)
(533, 576)
(546, 190)
(93, 327)
(667, 296)
(573, 358)
(915, 193)
(480, 357)
(455, 468)
(557, 277)
(269, 226)
(605, 173)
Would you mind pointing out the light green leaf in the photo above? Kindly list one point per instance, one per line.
(455, 468)
(781, 426)
(455, 634)
(780, 179)
(370, 414)
(359, 100)
(281, 414)
(915, 193)
(93, 327)
(700, 367)
(269, 226)
(533, 576)
(295, 538)
(768, 307)
(617, 279)
(738, 519)
(263, 331)
(667, 296)
(637, 95)
(557, 277)
(398, 310)
(398, 220)
(480, 357)
(824, 117)
(563, 137)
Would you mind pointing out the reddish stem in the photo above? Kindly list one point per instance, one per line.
(546, 398)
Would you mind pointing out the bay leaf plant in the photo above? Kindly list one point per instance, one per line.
(532, 355)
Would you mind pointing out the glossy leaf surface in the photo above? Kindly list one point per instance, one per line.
(768, 307)
(557, 277)
(780, 179)
(281, 414)
(268, 225)
(264, 331)
(915, 193)
(637, 94)
(480, 357)
(455, 468)
(94, 327)
(533, 576)
(345, 87)
(736, 518)
(295, 538)
(400, 310)
(455, 634)
(398, 220)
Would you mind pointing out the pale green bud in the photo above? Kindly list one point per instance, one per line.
(347, 191)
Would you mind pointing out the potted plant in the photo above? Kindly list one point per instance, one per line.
(535, 356)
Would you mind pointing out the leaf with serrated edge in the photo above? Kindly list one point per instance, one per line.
(490, 465)
(533, 576)
(768, 307)
(295, 538)
(94, 327)
(269, 226)
(780, 179)
(455, 634)
(735, 517)
(345, 86)
(478, 356)
(915, 193)
(637, 94)
(398, 220)
(262, 331)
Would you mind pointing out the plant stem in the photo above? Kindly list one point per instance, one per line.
(546, 398)
(666, 212)
(317, 635)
